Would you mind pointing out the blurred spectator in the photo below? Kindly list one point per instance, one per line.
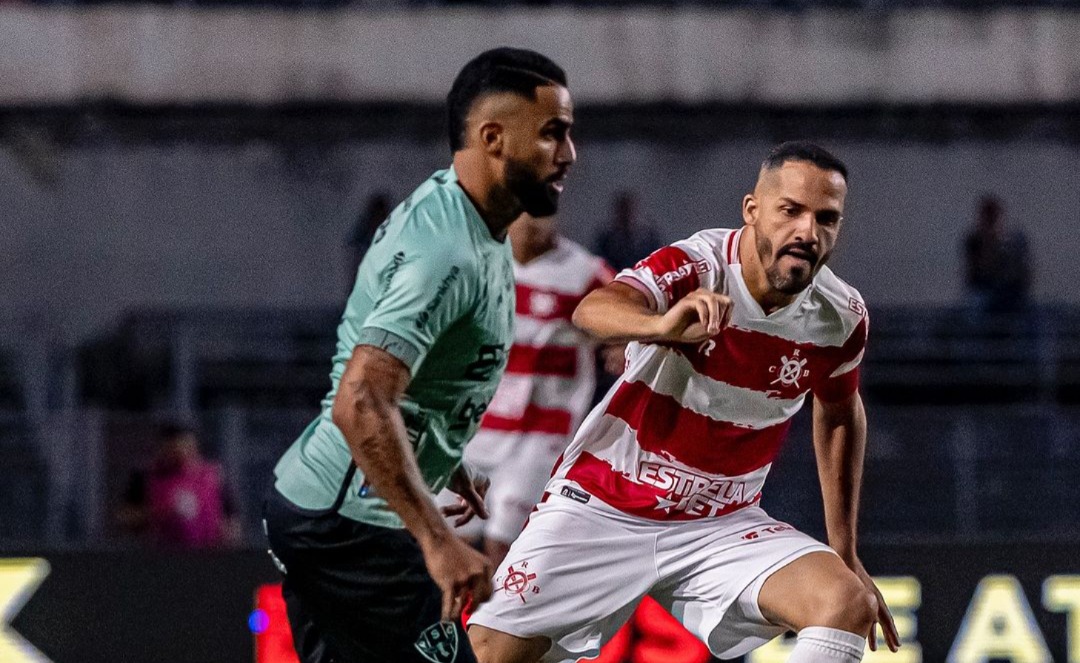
(181, 500)
(626, 239)
(363, 231)
(998, 267)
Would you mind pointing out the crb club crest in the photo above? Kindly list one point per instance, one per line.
(518, 581)
(438, 643)
(790, 371)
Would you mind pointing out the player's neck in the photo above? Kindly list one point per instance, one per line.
(525, 250)
(753, 273)
(497, 207)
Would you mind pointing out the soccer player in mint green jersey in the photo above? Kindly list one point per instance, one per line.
(372, 572)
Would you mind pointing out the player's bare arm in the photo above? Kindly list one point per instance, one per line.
(366, 411)
(618, 313)
(840, 446)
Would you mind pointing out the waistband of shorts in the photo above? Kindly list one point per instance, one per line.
(556, 491)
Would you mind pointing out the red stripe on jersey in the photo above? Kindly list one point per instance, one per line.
(675, 273)
(614, 488)
(772, 365)
(665, 427)
(545, 304)
(732, 248)
(839, 388)
(534, 420)
(543, 360)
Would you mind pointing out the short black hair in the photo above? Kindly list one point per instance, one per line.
(504, 69)
(801, 150)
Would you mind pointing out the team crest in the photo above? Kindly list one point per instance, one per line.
(790, 371)
(438, 643)
(518, 581)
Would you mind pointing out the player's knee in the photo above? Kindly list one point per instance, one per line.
(846, 605)
(491, 646)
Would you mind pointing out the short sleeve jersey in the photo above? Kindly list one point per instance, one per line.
(435, 290)
(691, 431)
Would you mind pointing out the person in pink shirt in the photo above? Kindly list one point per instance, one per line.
(180, 500)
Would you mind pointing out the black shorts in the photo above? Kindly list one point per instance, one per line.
(358, 593)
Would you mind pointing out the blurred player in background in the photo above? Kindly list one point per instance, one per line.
(549, 380)
(371, 570)
(658, 494)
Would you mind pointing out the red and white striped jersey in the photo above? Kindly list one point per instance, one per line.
(690, 431)
(550, 373)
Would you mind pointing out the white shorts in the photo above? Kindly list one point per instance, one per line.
(519, 467)
(578, 571)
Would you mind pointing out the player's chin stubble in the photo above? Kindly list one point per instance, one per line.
(536, 196)
(791, 283)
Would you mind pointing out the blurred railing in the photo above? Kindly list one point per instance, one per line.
(974, 420)
(792, 5)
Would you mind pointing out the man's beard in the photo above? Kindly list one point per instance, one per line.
(793, 282)
(537, 197)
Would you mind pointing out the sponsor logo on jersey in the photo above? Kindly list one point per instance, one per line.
(438, 643)
(692, 493)
(756, 534)
(576, 495)
(488, 358)
(440, 293)
(667, 279)
(387, 276)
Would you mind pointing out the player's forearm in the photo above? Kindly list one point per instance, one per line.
(840, 446)
(611, 317)
(379, 445)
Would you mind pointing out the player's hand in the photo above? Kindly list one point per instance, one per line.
(614, 358)
(696, 317)
(471, 487)
(884, 617)
(462, 573)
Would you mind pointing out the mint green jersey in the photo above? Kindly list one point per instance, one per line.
(436, 291)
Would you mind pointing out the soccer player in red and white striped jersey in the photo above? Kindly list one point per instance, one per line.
(658, 494)
(549, 380)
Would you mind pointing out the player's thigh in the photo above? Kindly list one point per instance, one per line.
(573, 577)
(493, 646)
(711, 573)
(817, 590)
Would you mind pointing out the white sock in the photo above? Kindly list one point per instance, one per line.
(818, 644)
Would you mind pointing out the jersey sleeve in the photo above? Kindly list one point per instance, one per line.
(843, 381)
(671, 273)
(603, 274)
(422, 291)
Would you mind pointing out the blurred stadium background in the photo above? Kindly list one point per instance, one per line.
(180, 183)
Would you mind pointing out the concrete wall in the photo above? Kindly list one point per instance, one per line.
(256, 225)
(148, 54)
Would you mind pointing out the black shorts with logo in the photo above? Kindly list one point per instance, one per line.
(358, 593)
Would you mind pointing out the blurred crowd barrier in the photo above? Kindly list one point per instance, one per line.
(686, 53)
(951, 601)
(974, 422)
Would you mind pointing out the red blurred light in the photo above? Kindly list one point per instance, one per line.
(274, 644)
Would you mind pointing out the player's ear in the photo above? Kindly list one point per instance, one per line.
(749, 209)
(491, 137)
